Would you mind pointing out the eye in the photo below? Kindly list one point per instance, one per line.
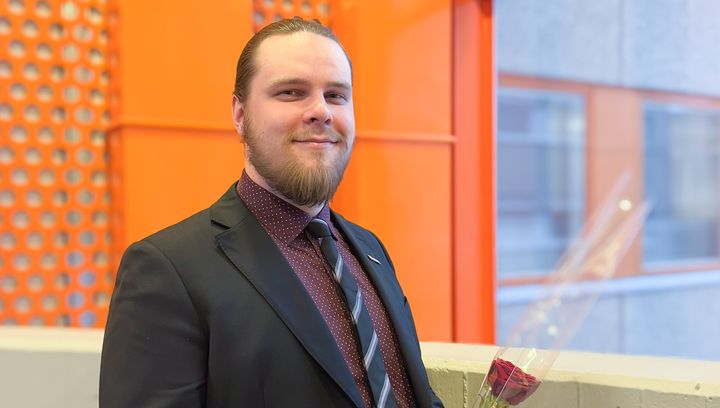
(289, 94)
(336, 97)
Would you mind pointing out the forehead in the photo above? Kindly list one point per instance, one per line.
(301, 55)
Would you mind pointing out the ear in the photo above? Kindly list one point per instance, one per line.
(238, 114)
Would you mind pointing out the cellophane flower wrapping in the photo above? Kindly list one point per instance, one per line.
(565, 298)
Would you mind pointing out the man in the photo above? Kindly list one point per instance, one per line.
(268, 298)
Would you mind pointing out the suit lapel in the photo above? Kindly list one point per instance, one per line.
(256, 256)
(393, 299)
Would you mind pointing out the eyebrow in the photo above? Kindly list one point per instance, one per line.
(299, 81)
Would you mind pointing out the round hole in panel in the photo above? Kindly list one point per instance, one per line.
(43, 51)
(18, 134)
(83, 115)
(30, 29)
(98, 178)
(7, 155)
(258, 17)
(7, 241)
(103, 36)
(88, 319)
(99, 218)
(57, 73)
(16, 49)
(60, 198)
(87, 279)
(7, 198)
(69, 11)
(5, 69)
(46, 135)
(61, 239)
(277, 17)
(100, 299)
(76, 300)
(306, 7)
(36, 321)
(6, 112)
(48, 260)
(100, 258)
(22, 304)
(269, 3)
(83, 74)
(20, 219)
(19, 177)
(74, 218)
(72, 135)
(96, 57)
(2, 304)
(31, 71)
(47, 219)
(57, 31)
(105, 119)
(73, 176)
(21, 262)
(45, 93)
(35, 282)
(62, 280)
(58, 114)
(62, 320)
(323, 9)
(87, 238)
(33, 198)
(85, 197)
(97, 98)
(9, 322)
(18, 91)
(97, 137)
(71, 94)
(32, 113)
(287, 5)
(70, 53)
(34, 240)
(46, 177)
(59, 156)
(104, 77)
(8, 284)
(16, 6)
(93, 15)
(32, 156)
(49, 302)
(82, 33)
(4, 25)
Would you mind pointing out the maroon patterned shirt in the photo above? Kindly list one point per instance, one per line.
(286, 224)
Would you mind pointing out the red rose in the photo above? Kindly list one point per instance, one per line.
(513, 383)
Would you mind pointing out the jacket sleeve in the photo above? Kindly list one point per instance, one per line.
(154, 350)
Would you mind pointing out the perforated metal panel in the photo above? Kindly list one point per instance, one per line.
(267, 11)
(54, 200)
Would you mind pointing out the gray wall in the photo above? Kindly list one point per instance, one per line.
(654, 44)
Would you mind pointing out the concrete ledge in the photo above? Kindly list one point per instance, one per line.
(581, 380)
(59, 368)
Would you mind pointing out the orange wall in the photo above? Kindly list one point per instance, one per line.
(173, 140)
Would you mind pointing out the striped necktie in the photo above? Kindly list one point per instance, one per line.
(372, 357)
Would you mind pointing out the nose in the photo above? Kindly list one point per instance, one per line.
(318, 113)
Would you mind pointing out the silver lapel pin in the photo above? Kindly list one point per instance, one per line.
(372, 258)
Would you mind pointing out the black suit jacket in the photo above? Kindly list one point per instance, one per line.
(208, 313)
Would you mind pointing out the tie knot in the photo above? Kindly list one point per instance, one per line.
(318, 228)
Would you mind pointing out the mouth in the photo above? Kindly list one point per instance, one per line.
(315, 141)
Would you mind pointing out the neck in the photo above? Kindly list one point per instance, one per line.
(311, 210)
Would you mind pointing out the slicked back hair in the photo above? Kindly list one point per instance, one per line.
(246, 67)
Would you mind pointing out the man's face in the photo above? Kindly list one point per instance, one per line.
(298, 121)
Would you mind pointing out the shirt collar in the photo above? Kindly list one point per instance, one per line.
(282, 220)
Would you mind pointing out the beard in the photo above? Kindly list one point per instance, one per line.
(284, 172)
